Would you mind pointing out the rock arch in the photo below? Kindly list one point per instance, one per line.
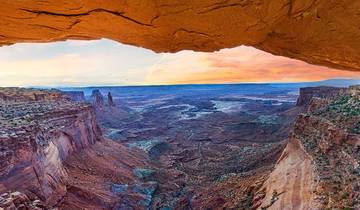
(323, 32)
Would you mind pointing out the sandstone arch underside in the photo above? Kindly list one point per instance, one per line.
(323, 32)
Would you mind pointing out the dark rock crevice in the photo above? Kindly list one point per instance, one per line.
(119, 14)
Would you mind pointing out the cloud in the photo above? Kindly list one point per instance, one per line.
(241, 64)
(104, 62)
(74, 63)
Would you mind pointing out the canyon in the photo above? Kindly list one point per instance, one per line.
(53, 153)
(121, 153)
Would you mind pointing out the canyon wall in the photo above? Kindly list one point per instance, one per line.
(13, 94)
(75, 95)
(290, 184)
(319, 169)
(324, 92)
(36, 137)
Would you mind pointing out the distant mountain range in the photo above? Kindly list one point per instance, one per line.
(331, 82)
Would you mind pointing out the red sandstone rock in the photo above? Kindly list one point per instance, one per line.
(19, 201)
(97, 99)
(37, 136)
(308, 93)
(320, 32)
(55, 157)
(75, 95)
(319, 169)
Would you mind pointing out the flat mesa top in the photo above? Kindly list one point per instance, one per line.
(22, 109)
(15, 94)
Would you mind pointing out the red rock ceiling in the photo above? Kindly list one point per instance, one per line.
(323, 32)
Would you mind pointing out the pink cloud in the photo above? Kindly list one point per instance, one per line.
(241, 64)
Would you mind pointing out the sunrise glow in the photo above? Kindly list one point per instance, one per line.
(104, 62)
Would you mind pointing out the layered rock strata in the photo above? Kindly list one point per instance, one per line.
(97, 99)
(309, 93)
(319, 169)
(75, 95)
(36, 137)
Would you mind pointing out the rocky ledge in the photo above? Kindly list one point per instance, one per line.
(323, 92)
(38, 131)
(319, 168)
(18, 200)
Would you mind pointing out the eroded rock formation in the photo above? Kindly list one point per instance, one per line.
(37, 136)
(110, 99)
(97, 99)
(18, 200)
(29, 95)
(53, 155)
(309, 93)
(317, 31)
(75, 95)
(292, 180)
(319, 169)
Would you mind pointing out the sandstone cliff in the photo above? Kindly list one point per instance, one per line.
(324, 92)
(97, 99)
(110, 99)
(319, 169)
(13, 94)
(36, 137)
(75, 95)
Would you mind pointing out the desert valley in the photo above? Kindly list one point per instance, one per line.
(180, 147)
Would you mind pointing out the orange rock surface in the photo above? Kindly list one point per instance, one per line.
(317, 31)
(292, 180)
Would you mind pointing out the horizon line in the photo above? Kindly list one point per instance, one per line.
(183, 84)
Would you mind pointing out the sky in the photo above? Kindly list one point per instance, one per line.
(105, 62)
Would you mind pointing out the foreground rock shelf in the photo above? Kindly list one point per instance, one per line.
(320, 32)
